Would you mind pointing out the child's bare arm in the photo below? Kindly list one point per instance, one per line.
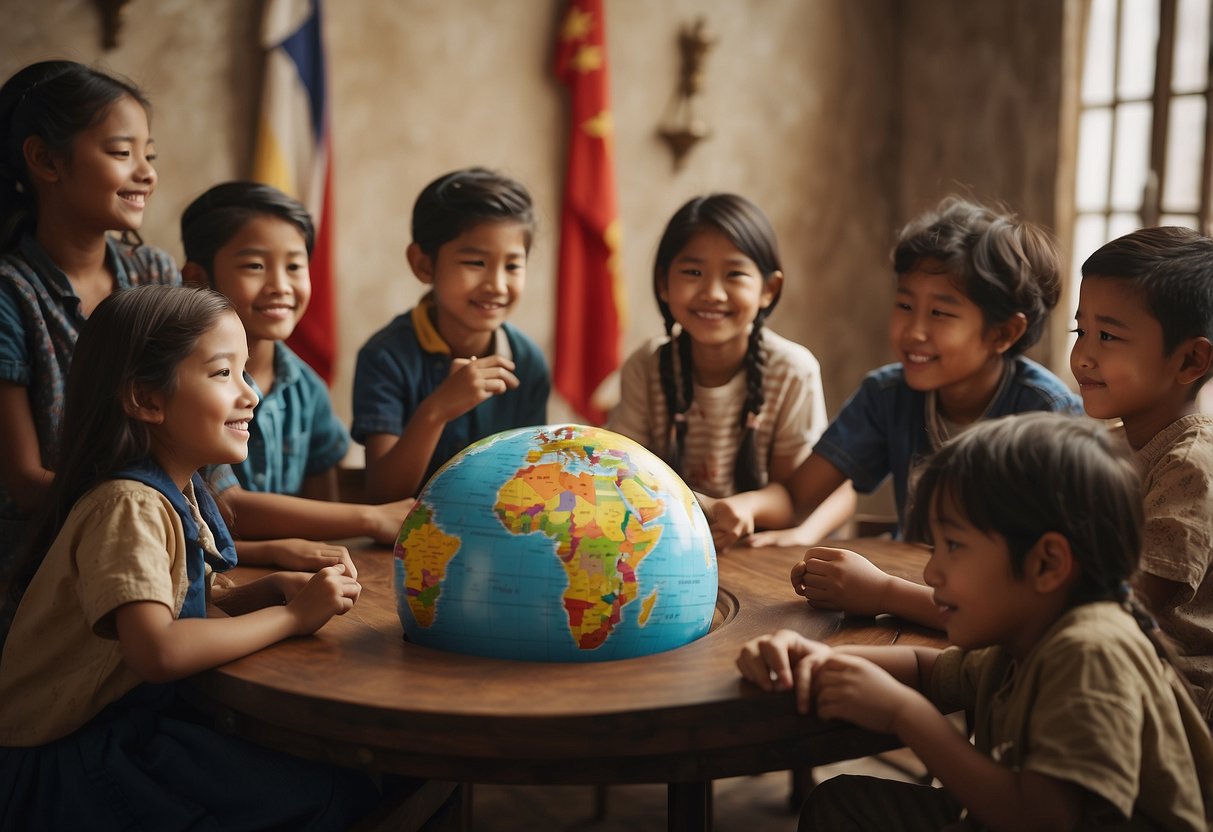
(733, 518)
(241, 599)
(259, 516)
(787, 659)
(839, 579)
(778, 506)
(830, 516)
(294, 554)
(21, 468)
(395, 466)
(322, 486)
(161, 648)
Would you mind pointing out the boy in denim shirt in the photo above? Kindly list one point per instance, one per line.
(252, 242)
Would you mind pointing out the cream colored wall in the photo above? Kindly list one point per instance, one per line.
(798, 95)
(981, 91)
(841, 118)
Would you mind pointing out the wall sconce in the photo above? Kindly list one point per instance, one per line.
(111, 21)
(682, 128)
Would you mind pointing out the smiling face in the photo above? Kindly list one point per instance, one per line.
(944, 343)
(476, 278)
(1119, 362)
(263, 270)
(204, 421)
(106, 180)
(715, 292)
(982, 602)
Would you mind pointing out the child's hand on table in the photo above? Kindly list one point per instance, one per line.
(784, 660)
(839, 579)
(327, 593)
(729, 522)
(384, 520)
(299, 555)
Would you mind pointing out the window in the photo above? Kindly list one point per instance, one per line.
(1143, 136)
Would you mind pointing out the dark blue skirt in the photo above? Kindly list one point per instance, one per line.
(145, 763)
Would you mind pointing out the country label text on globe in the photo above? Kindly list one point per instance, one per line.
(555, 543)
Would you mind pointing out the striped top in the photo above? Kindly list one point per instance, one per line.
(792, 418)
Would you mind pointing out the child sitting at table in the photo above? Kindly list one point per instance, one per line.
(1144, 327)
(91, 736)
(1035, 525)
(451, 370)
(728, 403)
(251, 242)
(974, 288)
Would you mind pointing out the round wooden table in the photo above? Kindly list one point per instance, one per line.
(357, 693)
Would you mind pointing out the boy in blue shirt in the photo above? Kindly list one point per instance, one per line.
(251, 242)
(451, 370)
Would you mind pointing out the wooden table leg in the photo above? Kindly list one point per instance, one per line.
(689, 807)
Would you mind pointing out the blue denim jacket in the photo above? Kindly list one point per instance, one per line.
(882, 428)
(151, 474)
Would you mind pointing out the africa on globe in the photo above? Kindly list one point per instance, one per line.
(556, 543)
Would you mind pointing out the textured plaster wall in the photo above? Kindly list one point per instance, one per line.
(981, 115)
(800, 96)
(841, 118)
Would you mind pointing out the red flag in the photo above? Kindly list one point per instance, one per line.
(293, 154)
(588, 288)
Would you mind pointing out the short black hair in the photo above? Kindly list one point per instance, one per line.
(217, 216)
(462, 199)
(1173, 269)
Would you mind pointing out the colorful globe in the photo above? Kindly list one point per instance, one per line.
(559, 543)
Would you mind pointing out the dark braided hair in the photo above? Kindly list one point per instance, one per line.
(747, 228)
(995, 474)
(56, 101)
(465, 198)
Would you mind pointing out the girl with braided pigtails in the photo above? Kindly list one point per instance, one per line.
(731, 405)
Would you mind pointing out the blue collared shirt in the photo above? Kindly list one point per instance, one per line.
(395, 373)
(294, 433)
(882, 428)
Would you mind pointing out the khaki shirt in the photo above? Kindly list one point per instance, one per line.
(1177, 478)
(1093, 705)
(122, 542)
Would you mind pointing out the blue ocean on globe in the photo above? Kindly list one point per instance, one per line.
(560, 543)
